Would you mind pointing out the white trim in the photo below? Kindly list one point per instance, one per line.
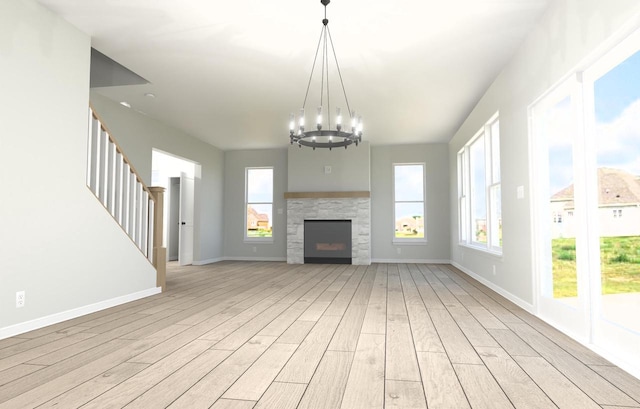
(208, 261)
(246, 238)
(241, 258)
(42, 322)
(410, 261)
(516, 300)
(404, 240)
(466, 191)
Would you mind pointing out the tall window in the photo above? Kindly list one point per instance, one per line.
(409, 202)
(479, 193)
(259, 203)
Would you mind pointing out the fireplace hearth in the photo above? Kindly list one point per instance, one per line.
(327, 241)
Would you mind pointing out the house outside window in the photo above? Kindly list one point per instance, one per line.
(409, 210)
(259, 204)
(479, 190)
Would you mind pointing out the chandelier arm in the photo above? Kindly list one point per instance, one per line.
(344, 92)
(313, 68)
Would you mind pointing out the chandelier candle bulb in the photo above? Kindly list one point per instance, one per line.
(338, 119)
(292, 123)
(301, 123)
(319, 118)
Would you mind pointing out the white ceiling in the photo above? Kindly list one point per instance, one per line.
(230, 72)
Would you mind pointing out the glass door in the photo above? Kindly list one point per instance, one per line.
(558, 191)
(612, 102)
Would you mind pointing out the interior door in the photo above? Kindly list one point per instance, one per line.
(173, 225)
(187, 188)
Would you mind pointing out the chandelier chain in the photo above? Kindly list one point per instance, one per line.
(344, 92)
(313, 67)
(327, 66)
(324, 58)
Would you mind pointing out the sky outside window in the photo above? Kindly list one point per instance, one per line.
(617, 111)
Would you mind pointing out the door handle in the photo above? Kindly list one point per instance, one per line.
(183, 223)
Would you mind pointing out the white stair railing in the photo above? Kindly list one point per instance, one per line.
(117, 185)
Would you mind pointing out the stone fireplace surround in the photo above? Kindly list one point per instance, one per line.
(354, 206)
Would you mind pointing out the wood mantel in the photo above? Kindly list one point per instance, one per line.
(326, 195)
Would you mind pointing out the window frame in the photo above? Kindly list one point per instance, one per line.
(409, 240)
(493, 184)
(246, 238)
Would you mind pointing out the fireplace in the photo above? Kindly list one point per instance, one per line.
(327, 241)
(350, 206)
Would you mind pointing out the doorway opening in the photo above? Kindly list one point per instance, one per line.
(177, 175)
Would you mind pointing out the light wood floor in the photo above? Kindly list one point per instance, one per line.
(272, 335)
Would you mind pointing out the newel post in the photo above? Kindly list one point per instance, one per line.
(159, 252)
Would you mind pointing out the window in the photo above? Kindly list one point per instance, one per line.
(617, 213)
(259, 204)
(462, 196)
(479, 189)
(408, 209)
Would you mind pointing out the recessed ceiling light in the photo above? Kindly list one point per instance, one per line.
(150, 95)
(125, 104)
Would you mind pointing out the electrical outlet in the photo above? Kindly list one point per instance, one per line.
(399, 250)
(255, 249)
(19, 299)
(494, 269)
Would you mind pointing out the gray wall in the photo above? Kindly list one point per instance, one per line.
(235, 163)
(57, 242)
(567, 34)
(349, 169)
(139, 135)
(436, 197)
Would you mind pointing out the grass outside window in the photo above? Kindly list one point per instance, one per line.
(620, 265)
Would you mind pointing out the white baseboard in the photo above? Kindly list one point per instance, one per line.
(38, 323)
(615, 359)
(254, 258)
(410, 260)
(208, 261)
(219, 259)
(516, 300)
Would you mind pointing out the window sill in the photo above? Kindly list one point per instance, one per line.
(258, 240)
(481, 249)
(409, 242)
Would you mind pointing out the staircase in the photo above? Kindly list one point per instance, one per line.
(114, 181)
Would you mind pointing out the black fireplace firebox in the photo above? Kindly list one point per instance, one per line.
(327, 241)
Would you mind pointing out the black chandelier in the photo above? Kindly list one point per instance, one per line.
(325, 137)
